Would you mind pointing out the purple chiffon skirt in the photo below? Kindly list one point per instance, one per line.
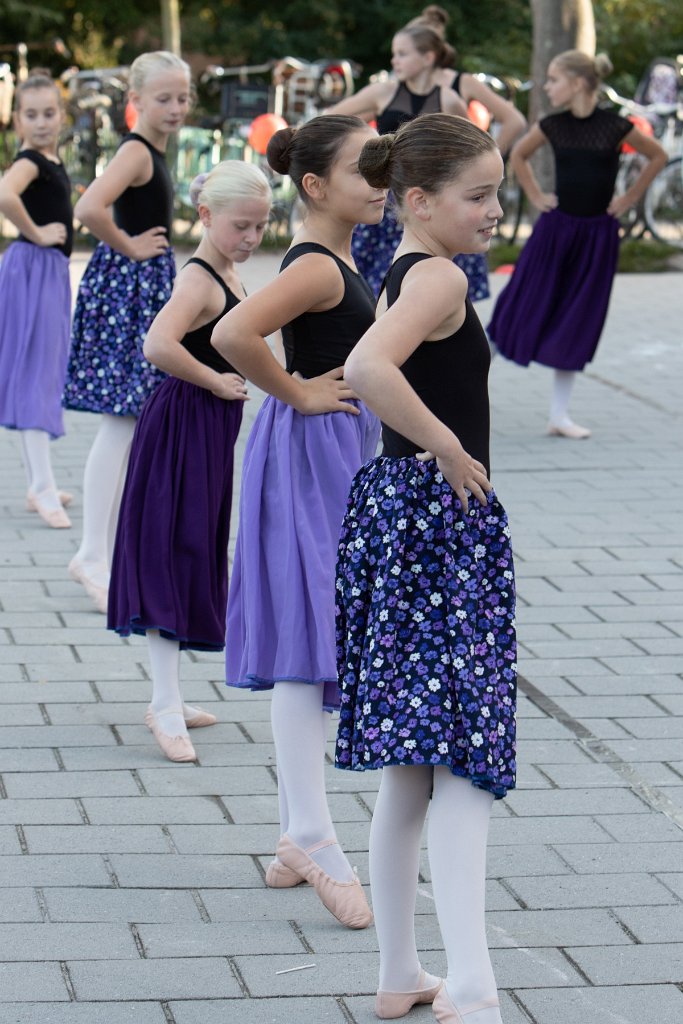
(170, 566)
(35, 305)
(554, 308)
(296, 477)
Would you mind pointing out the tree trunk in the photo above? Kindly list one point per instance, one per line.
(170, 25)
(558, 25)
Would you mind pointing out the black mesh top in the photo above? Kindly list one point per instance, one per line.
(150, 205)
(317, 342)
(586, 158)
(198, 342)
(48, 198)
(406, 105)
(450, 376)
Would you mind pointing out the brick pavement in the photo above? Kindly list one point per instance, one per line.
(133, 888)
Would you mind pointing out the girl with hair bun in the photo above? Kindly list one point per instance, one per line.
(129, 277)
(35, 293)
(309, 439)
(425, 583)
(554, 308)
(419, 55)
(170, 566)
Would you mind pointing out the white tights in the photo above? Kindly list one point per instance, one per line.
(563, 384)
(164, 660)
(102, 482)
(457, 834)
(35, 450)
(300, 731)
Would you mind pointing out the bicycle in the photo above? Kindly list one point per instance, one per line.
(511, 195)
(96, 108)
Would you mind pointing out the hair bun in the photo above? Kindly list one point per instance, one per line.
(374, 162)
(196, 189)
(603, 65)
(435, 16)
(277, 152)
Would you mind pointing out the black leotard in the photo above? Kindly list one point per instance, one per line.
(142, 207)
(48, 198)
(449, 375)
(405, 106)
(198, 342)
(317, 342)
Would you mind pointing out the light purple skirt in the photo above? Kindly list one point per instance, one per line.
(35, 318)
(554, 308)
(296, 477)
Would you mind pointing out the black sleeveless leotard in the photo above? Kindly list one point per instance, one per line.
(48, 198)
(449, 375)
(405, 106)
(317, 342)
(198, 342)
(150, 205)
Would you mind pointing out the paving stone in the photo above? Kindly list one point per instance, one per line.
(28, 942)
(638, 829)
(585, 891)
(206, 940)
(184, 780)
(193, 978)
(76, 784)
(149, 871)
(225, 838)
(95, 839)
(54, 692)
(9, 840)
(57, 736)
(550, 830)
(631, 1004)
(22, 906)
(145, 810)
(45, 870)
(82, 1013)
(576, 801)
(31, 983)
(134, 905)
(555, 928)
(36, 759)
(616, 685)
(655, 963)
(257, 809)
(48, 812)
(260, 1011)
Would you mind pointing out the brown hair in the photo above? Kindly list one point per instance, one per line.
(428, 153)
(593, 69)
(39, 78)
(312, 148)
(427, 36)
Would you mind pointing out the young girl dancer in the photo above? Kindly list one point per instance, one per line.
(35, 294)
(127, 281)
(425, 587)
(170, 565)
(555, 306)
(307, 443)
(419, 55)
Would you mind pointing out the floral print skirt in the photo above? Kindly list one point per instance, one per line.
(426, 645)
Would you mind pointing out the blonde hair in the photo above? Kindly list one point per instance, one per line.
(148, 64)
(592, 69)
(231, 179)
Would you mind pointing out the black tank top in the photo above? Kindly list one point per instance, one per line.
(405, 106)
(142, 207)
(48, 198)
(198, 342)
(317, 342)
(450, 376)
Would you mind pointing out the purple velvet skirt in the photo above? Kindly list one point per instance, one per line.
(296, 477)
(554, 308)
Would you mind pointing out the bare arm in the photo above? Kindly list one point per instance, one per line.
(452, 103)
(14, 183)
(312, 283)
(512, 122)
(430, 297)
(656, 160)
(189, 307)
(367, 102)
(519, 160)
(130, 167)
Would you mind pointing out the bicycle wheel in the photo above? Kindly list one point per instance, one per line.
(632, 222)
(664, 204)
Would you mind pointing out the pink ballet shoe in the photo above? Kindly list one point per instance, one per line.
(345, 900)
(176, 748)
(201, 719)
(446, 1013)
(279, 876)
(54, 517)
(97, 594)
(571, 430)
(389, 1005)
(64, 497)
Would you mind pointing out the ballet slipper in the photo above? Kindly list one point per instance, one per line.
(201, 719)
(176, 748)
(446, 1013)
(279, 876)
(345, 900)
(54, 517)
(389, 1005)
(97, 594)
(64, 497)
(569, 429)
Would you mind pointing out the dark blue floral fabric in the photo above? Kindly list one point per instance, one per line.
(426, 645)
(117, 300)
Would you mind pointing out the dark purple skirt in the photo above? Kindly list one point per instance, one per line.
(554, 308)
(35, 317)
(295, 483)
(170, 566)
